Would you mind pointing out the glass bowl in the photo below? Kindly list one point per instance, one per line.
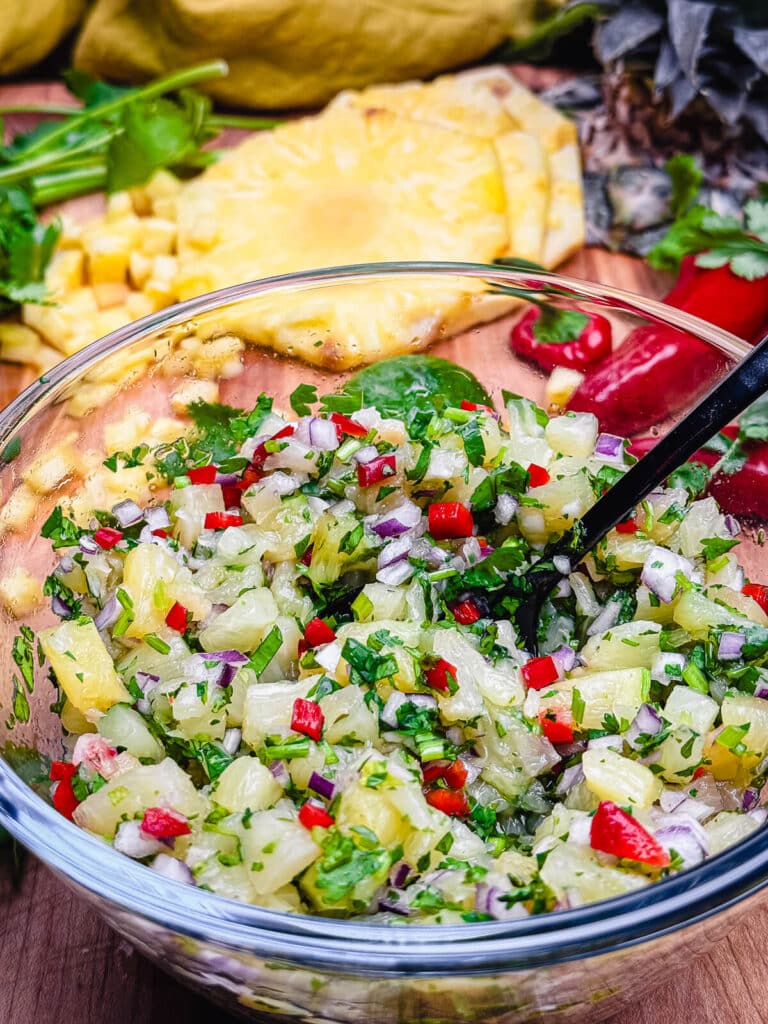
(569, 965)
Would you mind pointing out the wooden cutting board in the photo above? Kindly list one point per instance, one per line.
(59, 964)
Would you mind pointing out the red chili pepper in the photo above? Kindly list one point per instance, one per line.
(441, 676)
(254, 471)
(614, 831)
(449, 801)
(455, 775)
(233, 496)
(64, 799)
(701, 770)
(344, 425)
(61, 770)
(449, 519)
(314, 815)
(162, 823)
(540, 672)
(591, 344)
(221, 520)
(537, 476)
(432, 772)
(628, 526)
(177, 617)
(658, 370)
(557, 725)
(465, 612)
(160, 533)
(758, 592)
(745, 492)
(203, 474)
(306, 558)
(378, 469)
(307, 718)
(317, 633)
(474, 407)
(107, 538)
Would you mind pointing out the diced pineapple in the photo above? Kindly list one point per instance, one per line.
(20, 591)
(269, 708)
(405, 678)
(347, 714)
(162, 185)
(726, 765)
(195, 712)
(190, 506)
(572, 434)
(111, 294)
(124, 727)
(74, 721)
(158, 237)
(65, 272)
(83, 665)
(560, 386)
(89, 397)
(740, 603)
(569, 867)
(619, 692)
(698, 615)
(17, 342)
(629, 645)
(703, 519)
(107, 257)
(154, 580)
(247, 784)
(627, 552)
(242, 626)
(119, 205)
(131, 793)
(276, 848)
(53, 466)
(685, 706)
(193, 391)
(611, 776)
(19, 508)
(386, 602)
(742, 710)
(728, 828)
(564, 500)
(220, 357)
(361, 807)
(138, 305)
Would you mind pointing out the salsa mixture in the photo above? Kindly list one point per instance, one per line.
(295, 680)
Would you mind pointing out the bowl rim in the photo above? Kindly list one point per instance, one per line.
(357, 946)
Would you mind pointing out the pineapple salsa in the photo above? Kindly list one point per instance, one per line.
(296, 681)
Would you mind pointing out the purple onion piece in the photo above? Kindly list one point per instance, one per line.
(280, 772)
(687, 838)
(59, 608)
(175, 870)
(396, 906)
(564, 658)
(231, 657)
(729, 648)
(732, 525)
(88, 545)
(157, 518)
(395, 551)
(323, 434)
(366, 454)
(606, 618)
(647, 722)
(231, 741)
(322, 786)
(66, 564)
(571, 777)
(394, 575)
(609, 446)
(505, 508)
(489, 900)
(226, 479)
(127, 512)
(398, 520)
(749, 799)
(398, 876)
(108, 615)
(566, 750)
(761, 690)
(659, 572)
(146, 682)
(563, 589)
(226, 674)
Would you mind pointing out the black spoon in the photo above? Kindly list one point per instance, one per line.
(745, 383)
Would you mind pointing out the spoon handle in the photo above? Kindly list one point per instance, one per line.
(746, 382)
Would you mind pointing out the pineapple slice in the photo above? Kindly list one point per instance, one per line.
(83, 665)
(613, 777)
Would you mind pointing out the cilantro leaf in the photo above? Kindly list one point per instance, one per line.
(713, 547)
(26, 247)
(345, 864)
(756, 218)
(61, 530)
(55, 587)
(558, 326)
(693, 477)
(304, 396)
(473, 441)
(23, 654)
(511, 479)
(266, 651)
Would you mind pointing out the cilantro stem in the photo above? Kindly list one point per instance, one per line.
(51, 109)
(19, 171)
(254, 124)
(75, 181)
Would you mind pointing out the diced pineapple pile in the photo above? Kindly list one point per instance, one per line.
(297, 681)
(470, 167)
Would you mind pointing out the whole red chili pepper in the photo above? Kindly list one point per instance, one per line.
(745, 492)
(578, 347)
(658, 370)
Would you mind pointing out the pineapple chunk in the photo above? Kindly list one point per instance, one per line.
(124, 727)
(569, 867)
(572, 434)
(685, 706)
(89, 397)
(247, 784)
(619, 692)
(107, 257)
(697, 614)
(158, 236)
(269, 708)
(560, 386)
(276, 848)
(18, 510)
(728, 828)
(740, 710)
(244, 625)
(20, 592)
(83, 665)
(347, 714)
(190, 505)
(611, 776)
(52, 467)
(131, 793)
(630, 645)
(193, 391)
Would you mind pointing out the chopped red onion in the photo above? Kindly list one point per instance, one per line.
(564, 658)
(396, 904)
(686, 837)
(660, 569)
(474, 766)
(504, 511)
(231, 740)
(323, 434)
(729, 648)
(431, 553)
(395, 574)
(563, 589)
(127, 512)
(366, 454)
(231, 657)
(733, 526)
(226, 675)
(398, 875)
(341, 508)
(761, 689)
(647, 722)
(133, 842)
(108, 615)
(157, 517)
(395, 551)
(749, 799)
(571, 777)
(282, 483)
(610, 742)
(226, 479)
(665, 660)
(566, 750)
(280, 772)
(609, 447)
(175, 870)
(66, 564)
(563, 564)
(397, 520)
(758, 814)
(328, 657)
(455, 734)
(58, 607)
(489, 900)
(322, 786)
(146, 681)
(88, 545)
(607, 619)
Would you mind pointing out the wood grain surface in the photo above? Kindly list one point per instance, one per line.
(59, 964)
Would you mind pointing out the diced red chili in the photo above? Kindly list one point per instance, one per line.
(314, 815)
(453, 774)
(64, 799)
(449, 520)
(616, 832)
(61, 770)
(441, 676)
(432, 771)
(306, 558)
(221, 520)
(160, 533)
(307, 718)
(474, 407)
(628, 526)
(317, 633)
(540, 672)
(177, 617)
(465, 612)
(107, 537)
(537, 475)
(162, 823)
(203, 474)
(701, 770)
(345, 425)
(381, 468)
(557, 725)
(449, 801)
(233, 496)
(758, 592)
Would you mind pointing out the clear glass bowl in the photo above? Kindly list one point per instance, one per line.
(567, 965)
